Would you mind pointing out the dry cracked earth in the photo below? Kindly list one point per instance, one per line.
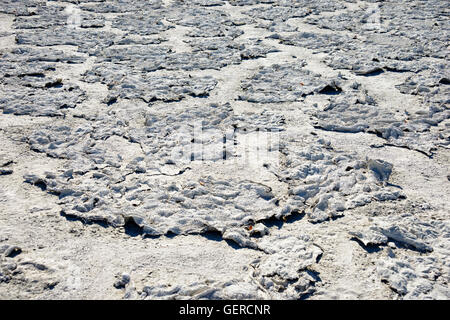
(224, 149)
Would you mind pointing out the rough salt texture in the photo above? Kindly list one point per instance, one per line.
(224, 149)
(284, 83)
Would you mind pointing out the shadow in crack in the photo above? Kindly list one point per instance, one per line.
(70, 217)
(132, 229)
(316, 276)
(171, 235)
(331, 90)
(41, 184)
(274, 222)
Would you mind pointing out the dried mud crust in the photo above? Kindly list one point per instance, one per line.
(102, 102)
